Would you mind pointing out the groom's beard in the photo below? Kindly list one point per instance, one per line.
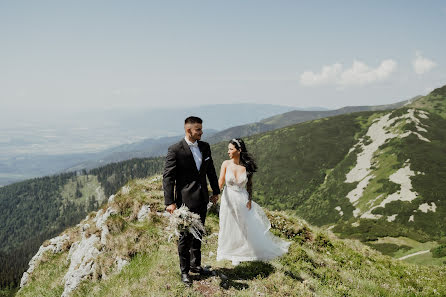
(197, 137)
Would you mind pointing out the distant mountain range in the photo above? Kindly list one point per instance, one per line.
(293, 117)
(158, 147)
(250, 118)
(74, 139)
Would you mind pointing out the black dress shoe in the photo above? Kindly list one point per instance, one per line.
(186, 279)
(201, 270)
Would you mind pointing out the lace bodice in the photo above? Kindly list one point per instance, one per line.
(233, 183)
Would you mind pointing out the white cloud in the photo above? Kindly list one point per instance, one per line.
(361, 74)
(358, 74)
(421, 64)
(328, 75)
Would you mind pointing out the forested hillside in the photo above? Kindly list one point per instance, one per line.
(376, 176)
(35, 210)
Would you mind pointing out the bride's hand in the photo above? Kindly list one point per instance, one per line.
(248, 205)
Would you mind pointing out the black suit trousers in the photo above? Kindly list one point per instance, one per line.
(189, 248)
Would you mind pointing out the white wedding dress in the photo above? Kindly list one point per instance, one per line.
(244, 234)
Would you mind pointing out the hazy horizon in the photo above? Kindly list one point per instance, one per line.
(88, 55)
(83, 67)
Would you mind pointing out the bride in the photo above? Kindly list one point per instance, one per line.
(244, 228)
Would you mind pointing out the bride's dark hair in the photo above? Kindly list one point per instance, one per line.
(246, 159)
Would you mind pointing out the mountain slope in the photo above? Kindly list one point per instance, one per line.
(377, 176)
(119, 252)
(389, 184)
(434, 102)
(294, 117)
(392, 180)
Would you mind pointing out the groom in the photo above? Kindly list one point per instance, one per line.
(188, 162)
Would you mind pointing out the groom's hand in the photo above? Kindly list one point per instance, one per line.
(214, 198)
(171, 208)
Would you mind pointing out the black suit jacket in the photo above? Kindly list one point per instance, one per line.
(182, 182)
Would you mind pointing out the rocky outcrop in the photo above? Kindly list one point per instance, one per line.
(380, 132)
(143, 212)
(82, 257)
(56, 245)
(100, 220)
(83, 254)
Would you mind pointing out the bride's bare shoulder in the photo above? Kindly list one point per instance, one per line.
(225, 163)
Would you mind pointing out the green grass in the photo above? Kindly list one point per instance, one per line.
(389, 248)
(47, 278)
(6, 292)
(89, 187)
(398, 247)
(426, 259)
(380, 184)
(434, 102)
(317, 263)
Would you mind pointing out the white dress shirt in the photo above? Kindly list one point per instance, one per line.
(198, 157)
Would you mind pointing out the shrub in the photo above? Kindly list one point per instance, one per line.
(439, 251)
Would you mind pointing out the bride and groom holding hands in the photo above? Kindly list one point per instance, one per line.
(244, 228)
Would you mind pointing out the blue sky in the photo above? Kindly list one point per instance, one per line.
(88, 55)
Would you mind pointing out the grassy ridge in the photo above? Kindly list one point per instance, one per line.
(318, 264)
(434, 102)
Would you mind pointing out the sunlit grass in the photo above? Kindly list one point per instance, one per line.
(317, 263)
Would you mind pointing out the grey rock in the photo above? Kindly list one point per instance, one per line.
(54, 246)
(143, 212)
(82, 257)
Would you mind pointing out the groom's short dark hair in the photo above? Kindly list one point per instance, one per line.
(193, 120)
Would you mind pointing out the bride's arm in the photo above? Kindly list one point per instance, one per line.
(221, 179)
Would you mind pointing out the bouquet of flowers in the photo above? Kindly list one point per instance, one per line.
(182, 220)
